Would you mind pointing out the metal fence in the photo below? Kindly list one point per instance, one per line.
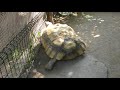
(17, 57)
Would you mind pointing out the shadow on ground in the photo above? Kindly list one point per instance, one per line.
(81, 67)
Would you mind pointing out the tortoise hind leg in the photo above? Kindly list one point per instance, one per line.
(50, 64)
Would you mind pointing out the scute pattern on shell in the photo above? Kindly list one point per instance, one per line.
(61, 42)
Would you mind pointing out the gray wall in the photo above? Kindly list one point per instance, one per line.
(11, 24)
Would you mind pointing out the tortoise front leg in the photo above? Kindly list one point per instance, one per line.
(50, 64)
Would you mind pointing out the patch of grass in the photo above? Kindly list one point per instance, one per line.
(38, 34)
(16, 54)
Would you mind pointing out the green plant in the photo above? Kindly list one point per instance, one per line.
(38, 34)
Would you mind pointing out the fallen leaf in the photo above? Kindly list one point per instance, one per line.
(89, 20)
(99, 19)
(96, 35)
(88, 16)
(36, 74)
(83, 13)
(70, 73)
(102, 20)
(94, 19)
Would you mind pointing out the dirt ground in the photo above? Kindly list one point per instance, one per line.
(100, 31)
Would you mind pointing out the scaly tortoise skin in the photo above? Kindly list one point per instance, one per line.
(61, 42)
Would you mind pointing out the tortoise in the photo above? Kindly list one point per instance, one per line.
(61, 42)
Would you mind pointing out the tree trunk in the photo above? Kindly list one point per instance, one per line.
(50, 16)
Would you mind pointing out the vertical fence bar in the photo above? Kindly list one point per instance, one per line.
(1, 76)
(3, 65)
(23, 55)
(21, 48)
(16, 66)
(19, 51)
(12, 57)
(8, 51)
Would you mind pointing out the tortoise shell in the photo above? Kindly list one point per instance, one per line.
(61, 42)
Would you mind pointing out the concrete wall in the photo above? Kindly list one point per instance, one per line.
(11, 23)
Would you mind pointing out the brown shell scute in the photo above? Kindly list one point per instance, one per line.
(61, 41)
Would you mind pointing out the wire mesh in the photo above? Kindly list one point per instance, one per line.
(17, 57)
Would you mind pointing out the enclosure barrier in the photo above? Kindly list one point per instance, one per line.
(17, 57)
